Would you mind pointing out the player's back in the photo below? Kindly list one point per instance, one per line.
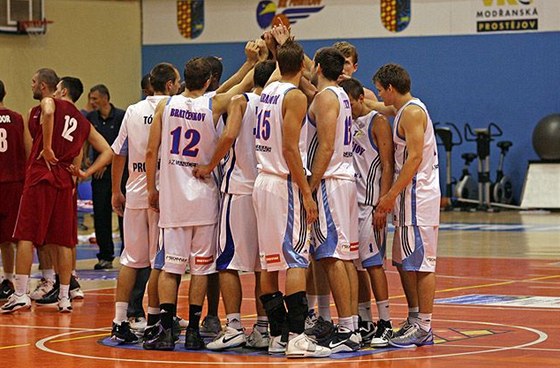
(12, 148)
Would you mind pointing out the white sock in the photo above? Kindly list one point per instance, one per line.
(364, 310)
(413, 314)
(9, 276)
(153, 310)
(355, 320)
(63, 291)
(383, 310)
(120, 312)
(234, 320)
(311, 301)
(48, 274)
(425, 321)
(21, 284)
(74, 273)
(324, 306)
(262, 324)
(346, 322)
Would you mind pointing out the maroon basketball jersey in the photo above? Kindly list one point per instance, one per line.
(70, 131)
(34, 123)
(12, 149)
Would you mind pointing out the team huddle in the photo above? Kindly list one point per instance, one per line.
(290, 165)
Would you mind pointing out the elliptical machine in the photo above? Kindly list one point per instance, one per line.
(502, 188)
(483, 137)
(445, 135)
(467, 187)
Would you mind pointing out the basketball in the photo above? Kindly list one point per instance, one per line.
(280, 19)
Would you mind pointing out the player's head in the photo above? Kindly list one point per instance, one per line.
(328, 62)
(350, 57)
(290, 58)
(69, 87)
(263, 71)
(2, 91)
(99, 96)
(43, 83)
(198, 74)
(217, 70)
(391, 78)
(165, 79)
(146, 86)
(355, 92)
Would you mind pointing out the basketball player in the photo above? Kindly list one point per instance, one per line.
(373, 162)
(332, 177)
(414, 198)
(140, 224)
(12, 166)
(284, 206)
(237, 240)
(48, 200)
(351, 65)
(185, 128)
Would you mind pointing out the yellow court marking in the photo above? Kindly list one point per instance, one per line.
(13, 346)
(81, 337)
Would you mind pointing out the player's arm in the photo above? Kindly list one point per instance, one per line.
(379, 105)
(99, 143)
(120, 152)
(369, 95)
(308, 89)
(47, 126)
(236, 111)
(381, 131)
(325, 110)
(293, 111)
(152, 151)
(252, 51)
(220, 102)
(27, 140)
(411, 126)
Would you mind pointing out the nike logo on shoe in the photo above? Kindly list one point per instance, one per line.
(225, 340)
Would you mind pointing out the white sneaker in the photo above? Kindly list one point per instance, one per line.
(276, 345)
(16, 302)
(43, 287)
(137, 324)
(64, 305)
(228, 338)
(257, 339)
(356, 337)
(76, 294)
(183, 323)
(302, 346)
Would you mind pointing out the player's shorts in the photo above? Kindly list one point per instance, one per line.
(372, 240)
(193, 246)
(281, 223)
(47, 216)
(335, 232)
(415, 248)
(141, 232)
(237, 238)
(10, 195)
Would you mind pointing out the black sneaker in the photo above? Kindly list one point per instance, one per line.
(340, 341)
(193, 340)
(321, 330)
(6, 289)
(103, 265)
(123, 334)
(162, 340)
(51, 297)
(383, 334)
(367, 330)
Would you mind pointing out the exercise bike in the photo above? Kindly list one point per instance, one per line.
(445, 134)
(467, 187)
(502, 189)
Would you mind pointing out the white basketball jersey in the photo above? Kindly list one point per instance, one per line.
(367, 161)
(418, 204)
(268, 131)
(133, 141)
(240, 169)
(188, 138)
(340, 166)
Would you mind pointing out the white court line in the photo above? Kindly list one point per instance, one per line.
(451, 345)
(58, 328)
(541, 336)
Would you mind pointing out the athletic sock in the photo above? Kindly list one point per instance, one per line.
(167, 312)
(21, 284)
(311, 301)
(63, 291)
(413, 314)
(425, 321)
(195, 311)
(355, 322)
(9, 276)
(153, 316)
(364, 310)
(262, 324)
(120, 312)
(324, 306)
(48, 274)
(383, 310)
(346, 322)
(234, 321)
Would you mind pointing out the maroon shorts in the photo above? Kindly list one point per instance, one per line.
(47, 215)
(10, 194)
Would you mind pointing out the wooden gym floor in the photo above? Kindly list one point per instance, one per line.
(498, 305)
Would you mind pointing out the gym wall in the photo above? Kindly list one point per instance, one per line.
(97, 41)
(463, 75)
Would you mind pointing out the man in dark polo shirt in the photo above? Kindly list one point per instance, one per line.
(107, 119)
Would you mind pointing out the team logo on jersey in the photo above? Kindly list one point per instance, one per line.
(395, 14)
(288, 11)
(190, 18)
(203, 260)
(273, 258)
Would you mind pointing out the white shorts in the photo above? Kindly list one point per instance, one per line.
(237, 238)
(141, 232)
(372, 240)
(193, 246)
(335, 233)
(281, 223)
(415, 248)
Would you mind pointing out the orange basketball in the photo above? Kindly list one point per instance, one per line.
(280, 19)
